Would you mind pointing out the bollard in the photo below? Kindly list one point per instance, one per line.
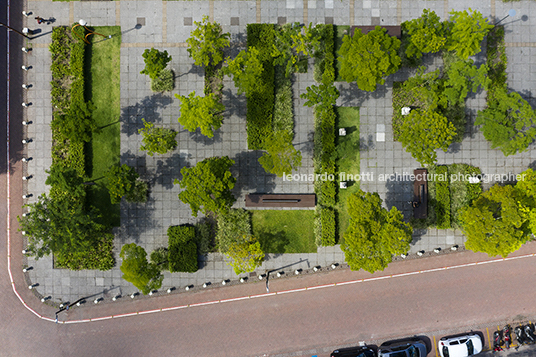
(27, 196)
(334, 265)
(25, 68)
(189, 287)
(116, 297)
(33, 286)
(437, 250)
(298, 271)
(43, 299)
(23, 233)
(403, 256)
(97, 300)
(169, 290)
(26, 49)
(420, 253)
(25, 270)
(26, 178)
(80, 302)
(26, 214)
(25, 86)
(26, 13)
(133, 295)
(316, 268)
(26, 105)
(262, 276)
(454, 247)
(280, 273)
(225, 282)
(26, 159)
(243, 280)
(152, 292)
(26, 141)
(25, 123)
(206, 284)
(25, 251)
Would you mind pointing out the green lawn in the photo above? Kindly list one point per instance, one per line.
(284, 231)
(102, 88)
(340, 31)
(348, 162)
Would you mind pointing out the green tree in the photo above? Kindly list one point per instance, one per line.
(155, 62)
(121, 181)
(374, 234)
(496, 224)
(77, 123)
(280, 156)
(422, 132)
(427, 34)
(467, 32)
(368, 59)
(207, 186)
(157, 140)
(232, 227)
(324, 94)
(246, 70)
(201, 112)
(246, 254)
(65, 182)
(137, 270)
(60, 226)
(509, 122)
(206, 43)
(462, 76)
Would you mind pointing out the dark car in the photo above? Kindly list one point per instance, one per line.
(358, 351)
(410, 347)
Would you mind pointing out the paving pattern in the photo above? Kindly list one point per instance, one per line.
(166, 25)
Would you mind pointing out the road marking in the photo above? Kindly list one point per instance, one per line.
(435, 347)
(489, 339)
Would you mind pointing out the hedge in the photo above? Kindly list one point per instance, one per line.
(182, 250)
(260, 103)
(327, 217)
(325, 117)
(442, 207)
(496, 60)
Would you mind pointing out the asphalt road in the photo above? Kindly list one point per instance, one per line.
(457, 299)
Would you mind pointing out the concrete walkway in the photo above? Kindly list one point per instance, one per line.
(167, 26)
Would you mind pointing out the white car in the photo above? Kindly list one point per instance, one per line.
(460, 346)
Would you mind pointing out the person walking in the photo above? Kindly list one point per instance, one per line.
(40, 20)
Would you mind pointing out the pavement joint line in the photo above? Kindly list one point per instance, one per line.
(118, 13)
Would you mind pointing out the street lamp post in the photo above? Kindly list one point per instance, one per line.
(511, 13)
(17, 31)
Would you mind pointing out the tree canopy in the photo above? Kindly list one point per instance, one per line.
(157, 140)
(246, 69)
(422, 132)
(121, 181)
(60, 226)
(206, 42)
(76, 123)
(246, 254)
(281, 156)
(201, 112)
(467, 30)
(155, 62)
(509, 122)
(137, 270)
(324, 94)
(374, 234)
(368, 59)
(427, 34)
(207, 186)
(496, 223)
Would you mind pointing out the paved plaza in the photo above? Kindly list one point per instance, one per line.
(167, 25)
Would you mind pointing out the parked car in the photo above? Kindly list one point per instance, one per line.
(460, 346)
(358, 351)
(409, 347)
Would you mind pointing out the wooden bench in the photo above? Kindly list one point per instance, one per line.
(280, 200)
(391, 30)
(420, 194)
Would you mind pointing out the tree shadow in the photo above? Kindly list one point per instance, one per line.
(351, 95)
(366, 144)
(235, 104)
(251, 176)
(202, 139)
(168, 169)
(147, 108)
(273, 242)
(399, 193)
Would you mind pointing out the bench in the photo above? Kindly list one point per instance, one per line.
(420, 194)
(395, 31)
(280, 200)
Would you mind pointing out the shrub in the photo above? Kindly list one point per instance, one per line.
(165, 81)
(443, 199)
(155, 62)
(157, 140)
(139, 193)
(260, 103)
(328, 226)
(99, 256)
(205, 236)
(159, 257)
(231, 227)
(182, 250)
(283, 119)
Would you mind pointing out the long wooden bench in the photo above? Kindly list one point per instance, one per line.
(420, 194)
(391, 30)
(280, 200)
